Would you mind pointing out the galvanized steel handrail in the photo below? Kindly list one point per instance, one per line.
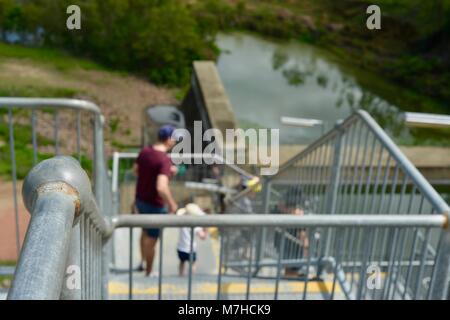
(86, 247)
(35, 103)
(413, 173)
(355, 168)
(57, 104)
(313, 224)
(422, 184)
(67, 227)
(427, 120)
(279, 220)
(133, 155)
(57, 193)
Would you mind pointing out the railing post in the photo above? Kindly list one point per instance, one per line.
(335, 173)
(332, 192)
(41, 267)
(115, 183)
(55, 192)
(100, 184)
(99, 161)
(260, 247)
(440, 283)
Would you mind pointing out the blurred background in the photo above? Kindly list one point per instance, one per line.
(312, 59)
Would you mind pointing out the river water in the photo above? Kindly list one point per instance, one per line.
(266, 80)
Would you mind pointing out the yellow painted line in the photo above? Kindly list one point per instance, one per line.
(215, 244)
(119, 288)
(213, 232)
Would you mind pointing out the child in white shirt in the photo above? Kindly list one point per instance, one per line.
(184, 240)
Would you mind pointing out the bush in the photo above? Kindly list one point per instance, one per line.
(155, 38)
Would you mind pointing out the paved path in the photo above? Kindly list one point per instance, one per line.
(8, 249)
(206, 256)
(204, 287)
(204, 284)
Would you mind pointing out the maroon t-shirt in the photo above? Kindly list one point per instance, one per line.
(151, 163)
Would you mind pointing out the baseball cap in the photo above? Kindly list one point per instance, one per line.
(165, 132)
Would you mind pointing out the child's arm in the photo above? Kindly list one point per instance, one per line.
(202, 233)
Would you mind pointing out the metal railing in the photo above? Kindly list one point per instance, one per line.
(58, 194)
(427, 120)
(62, 253)
(197, 178)
(366, 212)
(39, 128)
(67, 232)
(35, 128)
(330, 267)
(353, 169)
(204, 179)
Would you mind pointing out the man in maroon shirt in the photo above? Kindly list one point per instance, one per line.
(153, 196)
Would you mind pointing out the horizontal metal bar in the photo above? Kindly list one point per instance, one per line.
(300, 122)
(7, 270)
(280, 220)
(133, 155)
(126, 155)
(345, 264)
(35, 103)
(427, 120)
(208, 187)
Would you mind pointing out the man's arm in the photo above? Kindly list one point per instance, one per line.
(162, 186)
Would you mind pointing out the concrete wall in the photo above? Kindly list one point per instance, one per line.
(207, 100)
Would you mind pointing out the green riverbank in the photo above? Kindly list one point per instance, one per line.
(409, 50)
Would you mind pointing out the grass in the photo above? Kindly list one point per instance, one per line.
(10, 86)
(18, 88)
(122, 146)
(23, 133)
(55, 58)
(23, 150)
(386, 53)
(36, 90)
(6, 263)
(431, 136)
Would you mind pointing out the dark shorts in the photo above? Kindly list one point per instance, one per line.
(146, 208)
(184, 256)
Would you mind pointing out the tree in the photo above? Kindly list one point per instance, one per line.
(156, 38)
